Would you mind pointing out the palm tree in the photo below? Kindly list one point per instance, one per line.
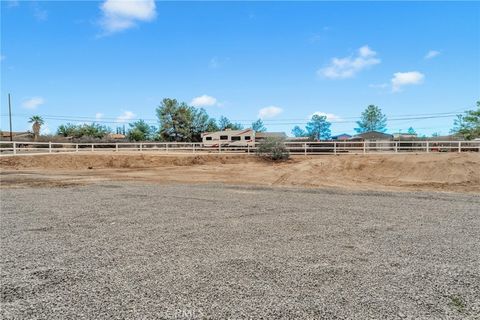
(37, 122)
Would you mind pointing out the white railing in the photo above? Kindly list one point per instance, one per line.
(295, 148)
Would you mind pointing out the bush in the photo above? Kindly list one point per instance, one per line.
(273, 149)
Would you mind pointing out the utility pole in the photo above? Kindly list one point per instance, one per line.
(10, 116)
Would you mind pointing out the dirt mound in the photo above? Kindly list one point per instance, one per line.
(447, 172)
(109, 160)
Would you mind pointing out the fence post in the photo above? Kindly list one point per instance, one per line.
(141, 146)
(459, 146)
(92, 147)
(428, 146)
(49, 147)
(364, 147)
(396, 146)
(248, 148)
(116, 147)
(335, 148)
(166, 147)
(305, 149)
(76, 147)
(219, 147)
(193, 148)
(14, 148)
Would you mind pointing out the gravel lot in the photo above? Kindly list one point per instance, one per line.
(148, 251)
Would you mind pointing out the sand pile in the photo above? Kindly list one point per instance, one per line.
(448, 172)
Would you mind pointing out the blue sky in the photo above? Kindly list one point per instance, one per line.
(114, 60)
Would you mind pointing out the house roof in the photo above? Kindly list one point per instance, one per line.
(270, 135)
(373, 135)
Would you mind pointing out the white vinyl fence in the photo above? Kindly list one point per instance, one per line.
(295, 148)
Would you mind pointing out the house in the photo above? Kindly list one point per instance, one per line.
(259, 136)
(341, 137)
(116, 136)
(372, 136)
(404, 136)
(4, 135)
(229, 137)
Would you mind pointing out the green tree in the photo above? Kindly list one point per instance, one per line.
(411, 131)
(93, 130)
(67, 130)
(258, 126)
(141, 131)
(225, 123)
(175, 120)
(318, 128)
(37, 122)
(201, 122)
(372, 120)
(180, 122)
(299, 132)
(467, 125)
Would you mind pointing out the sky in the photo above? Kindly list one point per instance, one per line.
(114, 61)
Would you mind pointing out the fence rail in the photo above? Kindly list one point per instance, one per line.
(296, 148)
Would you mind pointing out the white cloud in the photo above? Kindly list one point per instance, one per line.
(33, 103)
(214, 63)
(330, 116)
(203, 101)
(432, 54)
(401, 79)
(40, 14)
(341, 68)
(125, 116)
(98, 116)
(120, 15)
(269, 112)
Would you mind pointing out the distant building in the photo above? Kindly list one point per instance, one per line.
(342, 137)
(16, 135)
(116, 136)
(404, 136)
(372, 136)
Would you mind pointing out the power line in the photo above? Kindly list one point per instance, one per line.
(267, 121)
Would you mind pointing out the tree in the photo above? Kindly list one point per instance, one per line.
(299, 132)
(201, 122)
(37, 122)
(468, 124)
(67, 130)
(225, 123)
(258, 126)
(318, 128)
(411, 131)
(372, 120)
(141, 131)
(180, 122)
(175, 120)
(93, 130)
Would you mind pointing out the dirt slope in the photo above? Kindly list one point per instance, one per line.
(447, 172)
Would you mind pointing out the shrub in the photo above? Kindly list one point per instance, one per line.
(273, 149)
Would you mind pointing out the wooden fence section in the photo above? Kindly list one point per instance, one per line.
(295, 148)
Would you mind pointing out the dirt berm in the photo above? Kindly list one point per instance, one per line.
(445, 172)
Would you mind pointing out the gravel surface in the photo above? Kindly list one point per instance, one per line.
(148, 251)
